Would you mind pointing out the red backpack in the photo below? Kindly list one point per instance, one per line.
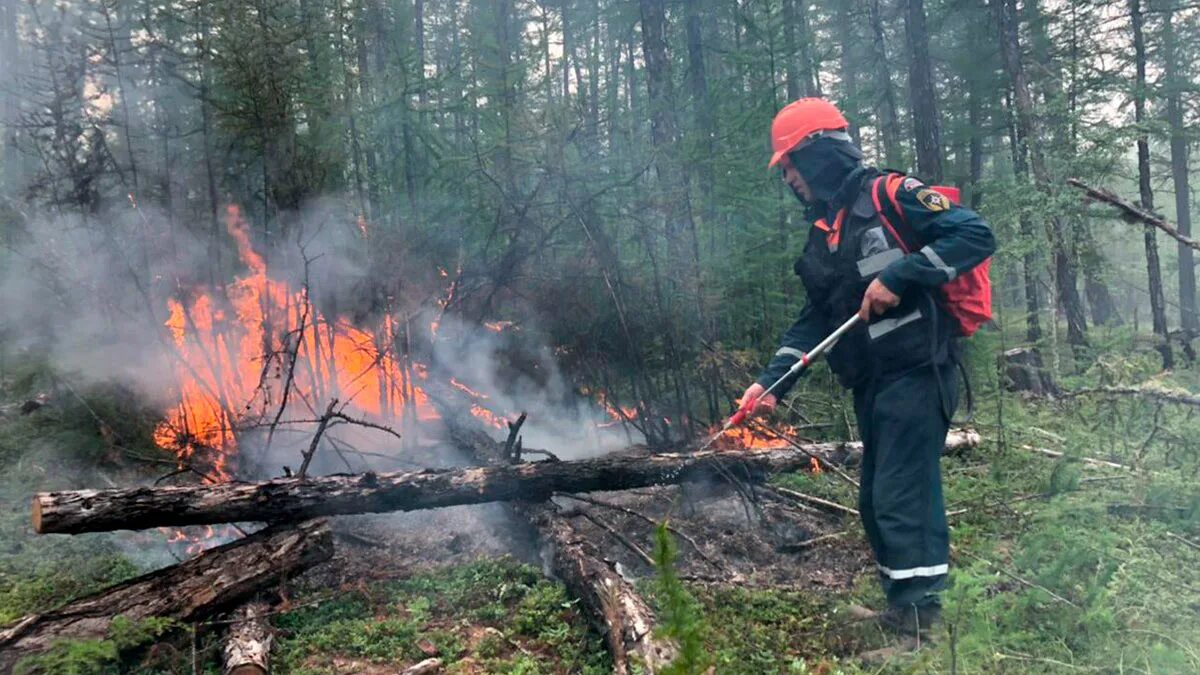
(967, 297)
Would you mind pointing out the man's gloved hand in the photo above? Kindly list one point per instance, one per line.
(765, 404)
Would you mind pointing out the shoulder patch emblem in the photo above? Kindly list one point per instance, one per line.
(911, 183)
(934, 201)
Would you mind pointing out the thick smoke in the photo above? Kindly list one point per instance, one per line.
(93, 296)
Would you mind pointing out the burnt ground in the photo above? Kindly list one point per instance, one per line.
(757, 544)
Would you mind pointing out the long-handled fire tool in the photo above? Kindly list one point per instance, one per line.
(749, 405)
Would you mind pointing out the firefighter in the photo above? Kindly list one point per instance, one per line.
(899, 362)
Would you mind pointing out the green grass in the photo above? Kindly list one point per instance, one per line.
(1068, 584)
(499, 615)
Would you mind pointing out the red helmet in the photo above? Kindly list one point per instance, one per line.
(805, 120)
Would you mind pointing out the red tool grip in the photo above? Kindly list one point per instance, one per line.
(743, 412)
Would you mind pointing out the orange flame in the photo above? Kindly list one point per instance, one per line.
(488, 416)
(746, 438)
(618, 414)
(466, 390)
(238, 347)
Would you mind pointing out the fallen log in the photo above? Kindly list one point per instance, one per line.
(193, 590)
(248, 645)
(290, 499)
(612, 603)
(1150, 391)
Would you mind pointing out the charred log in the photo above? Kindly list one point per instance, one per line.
(210, 583)
(289, 499)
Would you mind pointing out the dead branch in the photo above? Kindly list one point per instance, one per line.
(426, 667)
(1086, 460)
(822, 504)
(316, 440)
(512, 446)
(625, 541)
(1132, 212)
(294, 498)
(1184, 540)
(247, 648)
(809, 543)
(1153, 393)
(647, 519)
(611, 602)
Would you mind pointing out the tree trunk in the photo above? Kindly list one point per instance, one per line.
(9, 103)
(849, 69)
(923, 96)
(685, 319)
(248, 645)
(885, 95)
(1028, 143)
(210, 583)
(1158, 311)
(1179, 174)
(791, 78)
(290, 499)
(705, 119)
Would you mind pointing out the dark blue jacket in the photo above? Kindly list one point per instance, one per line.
(836, 272)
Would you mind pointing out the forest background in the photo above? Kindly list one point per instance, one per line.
(591, 175)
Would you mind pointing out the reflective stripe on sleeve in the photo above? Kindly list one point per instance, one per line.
(875, 263)
(788, 351)
(939, 263)
(884, 326)
(930, 571)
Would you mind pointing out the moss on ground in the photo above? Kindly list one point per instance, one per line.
(1058, 568)
(495, 616)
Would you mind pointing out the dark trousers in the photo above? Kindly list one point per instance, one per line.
(903, 423)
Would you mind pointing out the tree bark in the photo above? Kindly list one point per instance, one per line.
(1028, 142)
(248, 645)
(210, 583)
(923, 96)
(687, 319)
(885, 95)
(705, 120)
(849, 69)
(289, 499)
(1179, 173)
(1158, 311)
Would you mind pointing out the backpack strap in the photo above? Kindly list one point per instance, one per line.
(884, 188)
